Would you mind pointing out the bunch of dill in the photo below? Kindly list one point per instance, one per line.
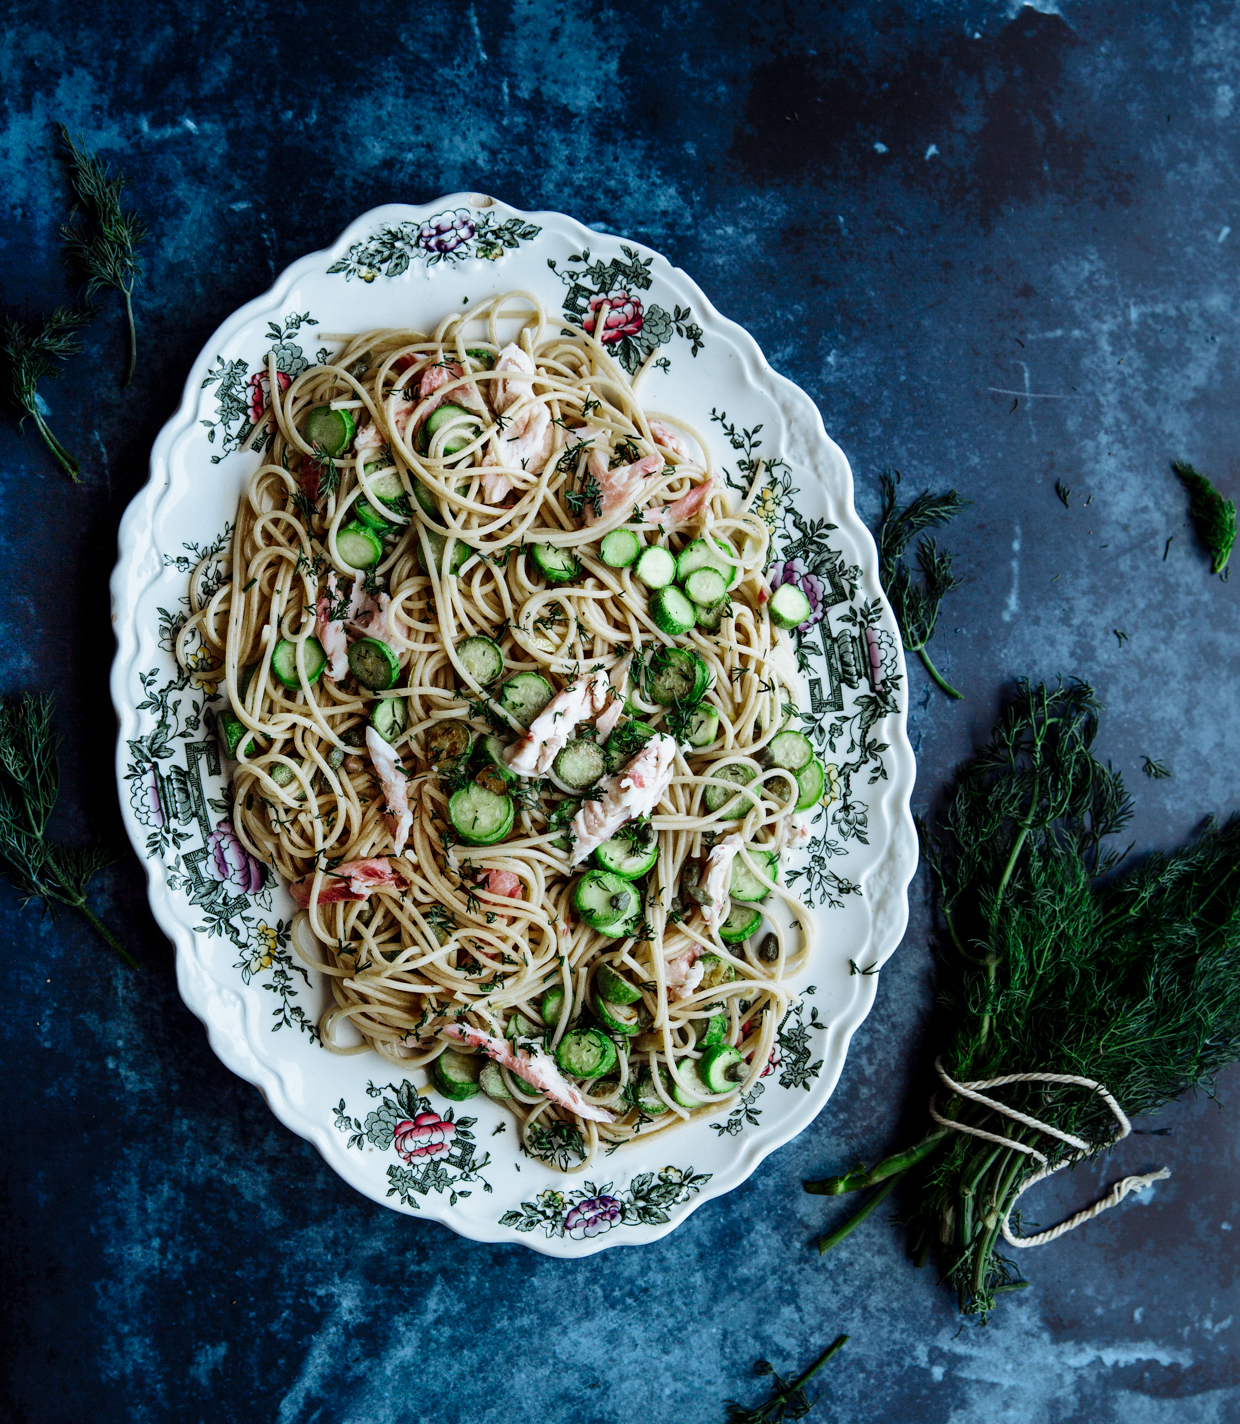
(916, 605)
(1049, 964)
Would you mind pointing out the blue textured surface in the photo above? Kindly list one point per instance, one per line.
(922, 214)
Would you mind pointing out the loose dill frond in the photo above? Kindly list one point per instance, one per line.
(39, 868)
(101, 239)
(1050, 964)
(1155, 770)
(1213, 516)
(916, 606)
(789, 1400)
(29, 351)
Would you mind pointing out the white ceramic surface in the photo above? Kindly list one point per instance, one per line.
(400, 265)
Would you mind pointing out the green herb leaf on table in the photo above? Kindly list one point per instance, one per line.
(101, 239)
(28, 353)
(1213, 516)
(916, 605)
(789, 1400)
(29, 785)
(1050, 964)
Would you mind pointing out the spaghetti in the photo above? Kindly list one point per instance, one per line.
(533, 820)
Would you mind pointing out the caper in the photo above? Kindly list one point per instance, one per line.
(768, 950)
(335, 758)
(620, 901)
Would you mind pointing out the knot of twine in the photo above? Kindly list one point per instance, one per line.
(1118, 1192)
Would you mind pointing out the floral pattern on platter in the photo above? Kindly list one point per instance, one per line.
(632, 331)
(448, 237)
(856, 656)
(438, 1150)
(593, 1209)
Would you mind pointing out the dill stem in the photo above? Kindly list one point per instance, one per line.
(937, 676)
(131, 339)
(992, 961)
(66, 461)
(894, 1165)
(981, 1259)
(805, 1376)
(105, 933)
(833, 1238)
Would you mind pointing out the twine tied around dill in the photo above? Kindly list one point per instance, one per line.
(972, 1091)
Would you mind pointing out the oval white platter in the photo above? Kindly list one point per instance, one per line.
(409, 266)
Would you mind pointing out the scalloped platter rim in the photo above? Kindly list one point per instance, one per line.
(235, 969)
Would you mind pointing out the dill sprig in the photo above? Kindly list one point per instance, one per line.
(1050, 964)
(916, 606)
(29, 785)
(101, 239)
(28, 353)
(1213, 516)
(789, 1400)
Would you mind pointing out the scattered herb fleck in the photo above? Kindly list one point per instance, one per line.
(1155, 770)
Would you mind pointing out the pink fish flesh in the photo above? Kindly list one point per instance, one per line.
(584, 699)
(687, 507)
(353, 880)
(718, 878)
(672, 440)
(611, 714)
(621, 488)
(530, 1063)
(635, 791)
(683, 974)
(395, 787)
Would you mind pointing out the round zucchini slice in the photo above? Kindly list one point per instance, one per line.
(703, 555)
(579, 765)
(717, 798)
(556, 565)
(721, 1068)
(711, 1031)
(811, 782)
(525, 696)
(605, 901)
(704, 726)
(643, 1095)
(388, 717)
(672, 612)
(789, 750)
(552, 1006)
(613, 987)
(374, 664)
(688, 1098)
(619, 548)
(456, 1074)
(627, 858)
(460, 551)
(741, 922)
(745, 884)
(358, 546)
(586, 1053)
(676, 675)
(706, 587)
(331, 430)
(447, 743)
(624, 1019)
(655, 567)
(479, 816)
(481, 658)
(789, 607)
(284, 662)
(491, 1081)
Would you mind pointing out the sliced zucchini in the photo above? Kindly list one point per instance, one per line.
(706, 587)
(493, 759)
(741, 922)
(711, 1031)
(481, 658)
(711, 619)
(613, 987)
(525, 1092)
(480, 357)
(456, 1074)
(479, 816)
(789, 750)
(702, 555)
(580, 765)
(463, 432)
(721, 1068)
(655, 567)
(388, 717)
(284, 662)
(715, 798)
(518, 1026)
(372, 518)
(556, 565)
(643, 1095)
(525, 696)
(676, 675)
(716, 971)
(232, 729)
(374, 664)
(330, 430)
(626, 858)
(460, 552)
(745, 884)
(389, 488)
(811, 782)
(358, 546)
(624, 744)
(672, 612)
(604, 901)
(448, 743)
(704, 726)
(624, 1019)
(585, 1053)
(491, 1081)
(626, 928)
(789, 607)
(686, 1098)
(426, 499)
(552, 1005)
(619, 548)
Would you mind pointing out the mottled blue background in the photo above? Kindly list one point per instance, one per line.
(922, 213)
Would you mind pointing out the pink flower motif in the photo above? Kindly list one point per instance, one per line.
(428, 1135)
(259, 387)
(623, 319)
(588, 1218)
(772, 1062)
(793, 571)
(447, 232)
(145, 800)
(230, 863)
